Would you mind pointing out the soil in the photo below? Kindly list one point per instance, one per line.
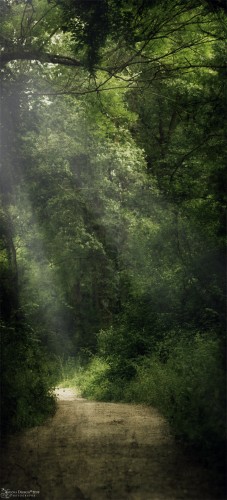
(102, 451)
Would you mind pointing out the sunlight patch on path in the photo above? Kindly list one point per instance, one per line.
(67, 394)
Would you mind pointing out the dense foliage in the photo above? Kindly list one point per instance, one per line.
(112, 218)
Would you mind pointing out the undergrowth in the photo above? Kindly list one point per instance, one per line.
(184, 379)
(27, 380)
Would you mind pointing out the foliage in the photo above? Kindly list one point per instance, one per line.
(189, 388)
(93, 382)
(65, 370)
(183, 378)
(26, 397)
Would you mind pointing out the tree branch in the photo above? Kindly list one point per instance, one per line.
(43, 57)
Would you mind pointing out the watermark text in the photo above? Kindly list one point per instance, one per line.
(6, 493)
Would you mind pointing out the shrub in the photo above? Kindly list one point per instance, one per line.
(93, 381)
(26, 394)
(184, 379)
(189, 389)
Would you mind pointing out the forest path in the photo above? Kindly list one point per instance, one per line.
(102, 451)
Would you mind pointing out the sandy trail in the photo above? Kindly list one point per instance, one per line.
(101, 451)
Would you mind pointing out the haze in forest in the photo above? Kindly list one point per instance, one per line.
(112, 210)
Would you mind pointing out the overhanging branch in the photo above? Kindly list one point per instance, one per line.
(43, 57)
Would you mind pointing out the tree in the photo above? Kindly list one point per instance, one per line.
(81, 176)
(75, 36)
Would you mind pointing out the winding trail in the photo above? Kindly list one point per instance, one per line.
(102, 451)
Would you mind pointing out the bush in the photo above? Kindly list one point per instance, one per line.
(26, 394)
(93, 381)
(184, 379)
(189, 389)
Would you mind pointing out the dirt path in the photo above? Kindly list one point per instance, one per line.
(101, 451)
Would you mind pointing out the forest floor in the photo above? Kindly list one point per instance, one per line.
(102, 451)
